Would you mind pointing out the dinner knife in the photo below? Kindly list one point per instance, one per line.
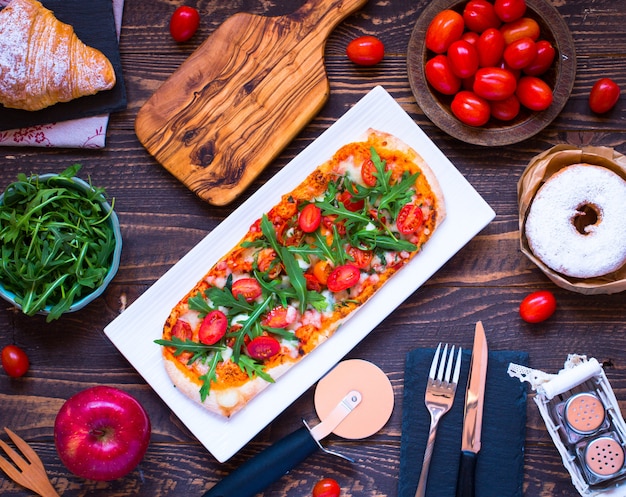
(473, 417)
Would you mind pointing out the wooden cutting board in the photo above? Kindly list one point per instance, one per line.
(241, 97)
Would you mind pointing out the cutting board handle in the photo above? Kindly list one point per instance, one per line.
(325, 15)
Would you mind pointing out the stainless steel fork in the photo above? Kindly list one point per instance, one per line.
(440, 391)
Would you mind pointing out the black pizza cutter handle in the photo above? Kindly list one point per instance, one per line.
(271, 464)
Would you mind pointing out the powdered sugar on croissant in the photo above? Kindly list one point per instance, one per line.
(42, 61)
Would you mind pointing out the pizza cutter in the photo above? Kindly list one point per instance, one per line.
(354, 400)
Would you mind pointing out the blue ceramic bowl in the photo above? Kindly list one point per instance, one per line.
(113, 222)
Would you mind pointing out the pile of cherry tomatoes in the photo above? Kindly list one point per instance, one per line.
(490, 57)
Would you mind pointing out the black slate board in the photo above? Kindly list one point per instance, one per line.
(94, 24)
(500, 463)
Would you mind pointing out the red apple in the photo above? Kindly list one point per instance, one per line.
(101, 433)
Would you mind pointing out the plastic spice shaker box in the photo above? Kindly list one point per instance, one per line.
(583, 418)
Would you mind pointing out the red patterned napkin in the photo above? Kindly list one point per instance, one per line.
(89, 132)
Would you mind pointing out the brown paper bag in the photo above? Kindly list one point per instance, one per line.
(539, 169)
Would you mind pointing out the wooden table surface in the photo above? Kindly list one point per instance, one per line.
(162, 220)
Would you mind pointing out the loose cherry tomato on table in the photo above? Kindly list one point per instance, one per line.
(470, 109)
(438, 71)
(520, 53)
(326, 487)
(184, 23)
(365, 50)
(604, 95)
(494, 83)
(213, 327)
(310, 218)
(14, 361)
(534, 93)
(526, 27)
(510, 10)
(543, 60)
(480, 15)
(250, 288)
(490, 46)
(263, 347)
(463, 59)
(343, 277)
(537, 306)
(447, 26)
(410, 219)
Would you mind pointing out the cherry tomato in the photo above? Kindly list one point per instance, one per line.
(604, 95)
(213, 327)
(490, 47)
(410, 219)
(510, 10)
(480, 15)
(14, 361)
(326, 487)
(343, 277)
(470, 37)
(345, 198)
(250, 288)
(470, 109)
(321, 271)
(463, 58)
(534, 93)
(507, 109)
(366, 50)
(439, 74)
(494, 83)
(537, 306)
(310, 218)
(447, 26)
(543, 60)
(525, 27)
(368, 173)
(520, 53)
(184, 23)
(280, 317)
(263, 347)
(361, 258)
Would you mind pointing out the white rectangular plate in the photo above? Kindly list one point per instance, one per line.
(467, 214)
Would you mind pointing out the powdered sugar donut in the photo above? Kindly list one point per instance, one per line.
(576, 223)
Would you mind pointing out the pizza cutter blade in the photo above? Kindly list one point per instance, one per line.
(354, 400)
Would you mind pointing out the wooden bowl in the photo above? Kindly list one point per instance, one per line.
(528, 123)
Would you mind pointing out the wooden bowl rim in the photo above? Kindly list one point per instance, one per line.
(507, 133)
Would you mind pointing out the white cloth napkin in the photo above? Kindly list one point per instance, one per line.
(88, 132)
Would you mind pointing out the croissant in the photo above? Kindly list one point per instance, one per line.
(42, 61)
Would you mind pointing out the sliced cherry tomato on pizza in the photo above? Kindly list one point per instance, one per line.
(494, 83)
(213, 327)
(543, 60)
(537, 306)
(343, 277)
(480, 15)
(249, 288)
(470, 109)
(410, 219)
(447, 26)
(184, 23)
(526, 27)
(534, 93)
(510, 10)
(345, 198)
(326, 487)
(280, 317)
(310, 218)
(263, 347)
(520, 53)
(14, 361)
(490, 47)
(368, 172)
(604, 95)
(361, 258)
(439, 74)
(365, 50)
(322, 270)
(182, 330)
